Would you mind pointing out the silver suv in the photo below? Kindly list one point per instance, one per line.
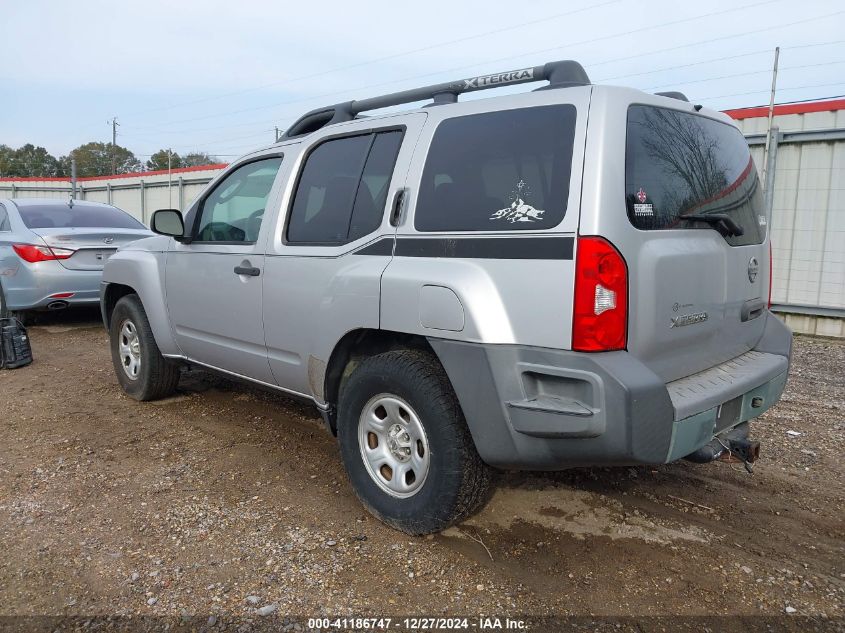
(576, 275)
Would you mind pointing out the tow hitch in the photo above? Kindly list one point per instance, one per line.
(733, 446)
(741, 449)
(746, 450)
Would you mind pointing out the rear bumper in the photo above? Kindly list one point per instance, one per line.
(541, 409)
(32, 286)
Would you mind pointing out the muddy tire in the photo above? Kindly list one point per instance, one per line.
(143, 373)
(406, 446)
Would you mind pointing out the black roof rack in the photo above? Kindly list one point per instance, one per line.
(561, 74)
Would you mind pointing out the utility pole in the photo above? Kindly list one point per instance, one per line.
(169, 179)
(114, 125)
(72, 177)
(766, 174)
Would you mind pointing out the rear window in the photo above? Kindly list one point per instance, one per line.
(498, 171)
(679, 165)
(78, 216)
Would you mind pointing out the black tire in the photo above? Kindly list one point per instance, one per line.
(457, 480)
(5, 313)
(156, 376)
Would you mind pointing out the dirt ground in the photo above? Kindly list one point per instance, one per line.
(225, 503)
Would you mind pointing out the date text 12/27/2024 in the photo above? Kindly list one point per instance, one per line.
(418, 624)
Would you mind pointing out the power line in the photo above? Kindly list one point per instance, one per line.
(753, 72)
(679, 66)
(390, 57)
(506, 58)
(381, 84)
(766, 51)
(710, 40)
(757, 92)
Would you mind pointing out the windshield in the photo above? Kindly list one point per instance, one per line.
(680, 165)
(79, 216)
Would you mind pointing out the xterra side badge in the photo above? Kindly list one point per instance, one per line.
(688, 319)
(753, 269)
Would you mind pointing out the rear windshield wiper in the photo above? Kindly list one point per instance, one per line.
(722, 222)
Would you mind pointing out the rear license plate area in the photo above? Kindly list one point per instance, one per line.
(728, 413)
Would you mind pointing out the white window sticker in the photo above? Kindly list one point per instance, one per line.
(761, 220)
(519, 210)
(643, 209)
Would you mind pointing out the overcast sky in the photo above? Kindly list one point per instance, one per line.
(218, 76)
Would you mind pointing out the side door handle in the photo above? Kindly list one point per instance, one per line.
(249, 271)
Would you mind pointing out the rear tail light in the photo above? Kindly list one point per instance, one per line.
(600, 308)
(33, 253)
(770, 276)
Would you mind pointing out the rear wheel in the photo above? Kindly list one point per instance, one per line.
(405, 444)
(141, 370)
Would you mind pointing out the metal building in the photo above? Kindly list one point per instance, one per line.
(808, 212)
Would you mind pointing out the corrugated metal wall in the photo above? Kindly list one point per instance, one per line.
(137, 194)
(808, 217)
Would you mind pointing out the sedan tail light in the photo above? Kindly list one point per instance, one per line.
(600, 308)
(33, 253)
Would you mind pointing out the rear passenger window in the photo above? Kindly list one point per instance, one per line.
(342, 190)
(4, 219)
(498, 171)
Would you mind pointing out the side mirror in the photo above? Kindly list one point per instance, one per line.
(168, 222)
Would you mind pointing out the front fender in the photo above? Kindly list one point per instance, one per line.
(143, 271)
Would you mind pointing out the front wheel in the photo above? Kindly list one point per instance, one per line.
(143, 373)
(406, 446)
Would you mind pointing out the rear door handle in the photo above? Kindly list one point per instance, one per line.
(751, 309)
(250, 271)
(396, 207)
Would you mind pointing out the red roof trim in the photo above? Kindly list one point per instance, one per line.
(788, 108)
(139, 174)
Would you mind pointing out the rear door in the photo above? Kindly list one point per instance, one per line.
(698, 288)
(332, 243)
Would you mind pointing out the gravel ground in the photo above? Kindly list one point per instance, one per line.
(230, 503)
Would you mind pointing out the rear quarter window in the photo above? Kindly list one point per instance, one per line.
(679, 164)
(498, 171)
